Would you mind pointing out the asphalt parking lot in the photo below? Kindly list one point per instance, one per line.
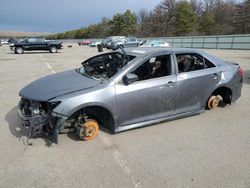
(207, 150)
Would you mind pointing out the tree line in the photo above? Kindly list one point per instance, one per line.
(172, 18)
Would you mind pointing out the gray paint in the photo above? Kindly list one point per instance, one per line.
(143, 102)
(55, 85)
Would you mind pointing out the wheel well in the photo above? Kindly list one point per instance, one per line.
(103, 116)
(225, 93)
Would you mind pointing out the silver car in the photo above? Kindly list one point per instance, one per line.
(155, 43)
(127, 89)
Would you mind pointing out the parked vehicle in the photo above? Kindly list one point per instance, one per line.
(12, 40)
(94, 43)
(4, 42)
(125, 43)
(126, 89)
(156, 43)
(8, 41)
(35, 43)
(84, 42)
(142, 41)
(112, 39)
(104, 42)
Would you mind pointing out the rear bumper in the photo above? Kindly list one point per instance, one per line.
(60, 47)
(236, 91)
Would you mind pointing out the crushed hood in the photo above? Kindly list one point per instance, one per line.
(57, 84)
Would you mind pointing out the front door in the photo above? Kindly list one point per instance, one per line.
(152, 96)
(41, 44)
(30, 44)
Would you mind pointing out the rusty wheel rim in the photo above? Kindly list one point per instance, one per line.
(213, 102)
(91, 129)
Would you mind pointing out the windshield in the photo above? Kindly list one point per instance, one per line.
(103, 67)
(23, 40)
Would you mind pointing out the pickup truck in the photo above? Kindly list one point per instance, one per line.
(35, 43)
(125, 43)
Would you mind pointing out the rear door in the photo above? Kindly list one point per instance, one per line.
(41, 44)
(197, 78)
(30, 44)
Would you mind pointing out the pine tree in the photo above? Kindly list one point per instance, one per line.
(207, 24)
(184, 18)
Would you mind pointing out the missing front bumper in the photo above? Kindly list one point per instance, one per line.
(35, 124)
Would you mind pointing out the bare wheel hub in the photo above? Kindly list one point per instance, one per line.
(213, 101)
(89, 130)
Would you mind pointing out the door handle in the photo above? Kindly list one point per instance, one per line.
(215, 75)
(170, 84)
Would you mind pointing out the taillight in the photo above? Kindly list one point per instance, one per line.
(241, 71)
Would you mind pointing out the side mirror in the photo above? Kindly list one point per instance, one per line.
(129, 78)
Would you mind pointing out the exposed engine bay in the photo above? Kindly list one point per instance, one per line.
(105, 66)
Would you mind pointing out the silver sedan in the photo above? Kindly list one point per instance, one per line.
(127, 89)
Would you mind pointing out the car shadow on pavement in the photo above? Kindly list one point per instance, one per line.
(33, 53)
(15, 125)
(19, 131)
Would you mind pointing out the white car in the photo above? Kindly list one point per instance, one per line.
(94, 43)
(156, 43)
(4, 42)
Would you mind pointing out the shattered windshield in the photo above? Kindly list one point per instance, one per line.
(103, 67)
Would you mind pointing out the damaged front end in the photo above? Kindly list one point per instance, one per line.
(39, 118)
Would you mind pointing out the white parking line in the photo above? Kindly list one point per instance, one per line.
(120, 160)
(47, 64)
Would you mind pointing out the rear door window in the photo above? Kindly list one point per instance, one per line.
(32, 40)
(188, 62)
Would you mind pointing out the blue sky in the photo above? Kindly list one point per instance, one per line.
(62, 15)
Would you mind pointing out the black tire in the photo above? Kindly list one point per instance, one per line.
(18, 50)
(53, 49)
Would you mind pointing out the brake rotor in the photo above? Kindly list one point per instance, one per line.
(90, 129)
(213, 102)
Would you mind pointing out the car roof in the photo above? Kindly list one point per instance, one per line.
(145, 50)
(141, 51)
